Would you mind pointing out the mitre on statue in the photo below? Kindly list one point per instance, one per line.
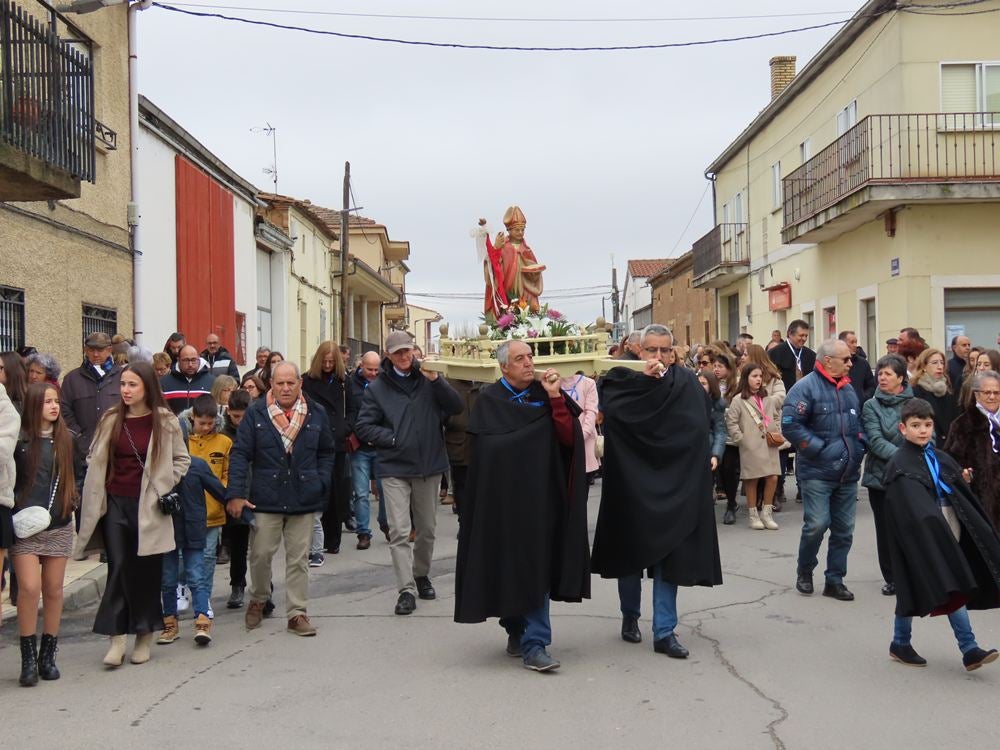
(514, 217)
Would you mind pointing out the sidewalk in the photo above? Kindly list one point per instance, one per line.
(82, 586)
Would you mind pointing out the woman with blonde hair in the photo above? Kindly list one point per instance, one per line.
(930, 382)
(325, 382)
(138, 456)
(222, 387)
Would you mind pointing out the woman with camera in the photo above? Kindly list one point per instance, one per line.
(136, 459)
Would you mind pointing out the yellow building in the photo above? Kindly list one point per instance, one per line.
(65, 251)
(865, 195)
(419, 321)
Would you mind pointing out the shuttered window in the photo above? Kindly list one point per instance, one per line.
(958, 88)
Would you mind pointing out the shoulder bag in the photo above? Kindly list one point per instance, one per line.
(774, 439)
(170, 503)
(33, 519)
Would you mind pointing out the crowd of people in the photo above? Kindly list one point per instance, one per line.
(173, 463)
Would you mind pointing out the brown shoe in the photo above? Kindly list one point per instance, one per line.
(202, 630)
(364, 541)
(255, 613)
(300, 625)
(171, 631)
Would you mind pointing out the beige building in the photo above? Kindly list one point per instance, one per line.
(65, 252)
(866, 194)
(420, 321)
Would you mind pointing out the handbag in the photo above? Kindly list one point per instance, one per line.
(170, 503)
(774, 439)
(353, 444)
(599, 446)
(33, 519)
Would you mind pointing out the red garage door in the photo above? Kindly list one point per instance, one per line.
(206, 296)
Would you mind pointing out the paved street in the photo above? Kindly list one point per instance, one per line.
(768, 668)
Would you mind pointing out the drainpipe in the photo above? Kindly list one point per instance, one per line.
(133, 127)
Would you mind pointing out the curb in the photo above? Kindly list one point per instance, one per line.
(85, 590)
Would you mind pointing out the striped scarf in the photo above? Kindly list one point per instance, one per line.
(288, 429)
(993, 422)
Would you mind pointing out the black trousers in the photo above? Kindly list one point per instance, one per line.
(458, 476)
(729, 475)
(338, 508)
(877, 500)
(238, 538)
(131, 601)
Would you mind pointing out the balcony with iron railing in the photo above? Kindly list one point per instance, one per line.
(890, 160)
(48, 131)
(396, 312)
(721, 257)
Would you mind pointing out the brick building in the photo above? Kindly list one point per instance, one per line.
(687, 311)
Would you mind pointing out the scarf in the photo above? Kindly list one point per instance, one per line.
(760, 405)
(288, 429)
(937, 387)
(522, 397)
(993, 420)
(933, 466)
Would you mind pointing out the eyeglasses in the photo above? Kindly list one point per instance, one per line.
(189, 361)
(658, 349)
(845, 360)
(989, 394)
(704, 362)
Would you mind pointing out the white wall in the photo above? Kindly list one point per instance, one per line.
(158, 226)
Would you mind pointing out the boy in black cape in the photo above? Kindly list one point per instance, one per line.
(523, 538)
(657, 511)
(945, 553)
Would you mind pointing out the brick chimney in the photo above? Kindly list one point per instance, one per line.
(782, 73)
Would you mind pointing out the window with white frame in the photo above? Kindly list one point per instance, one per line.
(970, 87)
(805, 150)
(847, 118)
(776, 185)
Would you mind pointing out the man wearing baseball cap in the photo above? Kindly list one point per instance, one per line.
(401, 415)
(92, 388)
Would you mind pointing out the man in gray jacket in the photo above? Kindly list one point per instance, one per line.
(402, 416)
(91, 389)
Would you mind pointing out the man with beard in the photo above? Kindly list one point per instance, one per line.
(656, 501)
(523, 537)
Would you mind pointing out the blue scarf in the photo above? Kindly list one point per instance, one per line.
(934, 467)
(520, 398)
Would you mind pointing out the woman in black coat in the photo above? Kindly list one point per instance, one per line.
(326, 383)
(930, 382)
(974, 442)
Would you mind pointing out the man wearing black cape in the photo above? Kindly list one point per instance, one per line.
(656, 500)
(945, 552)
(523, 538)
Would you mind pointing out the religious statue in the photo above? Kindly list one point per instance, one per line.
(511, 270)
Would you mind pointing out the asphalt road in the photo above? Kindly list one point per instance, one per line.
(768, 668)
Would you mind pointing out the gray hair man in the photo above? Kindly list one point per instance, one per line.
(281, 467)
(821, 419)
(91, 389)
(401, 415)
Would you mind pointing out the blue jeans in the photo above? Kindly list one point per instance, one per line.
(535, 629)
(960, 626)
(664, 602)
(362, 471)
(208, 569)
(194, 560)
(827, 505)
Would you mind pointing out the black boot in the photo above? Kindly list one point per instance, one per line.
(47, 669)
(29, 661)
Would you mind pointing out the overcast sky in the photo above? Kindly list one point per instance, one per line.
(604, 151)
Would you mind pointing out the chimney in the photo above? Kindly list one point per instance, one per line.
(782, 73)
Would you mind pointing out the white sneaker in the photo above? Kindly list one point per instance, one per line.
(183, 601)
(210, 613)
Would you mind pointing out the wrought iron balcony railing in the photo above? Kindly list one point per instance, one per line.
(895, 149)
(725, 246)
(47, 93)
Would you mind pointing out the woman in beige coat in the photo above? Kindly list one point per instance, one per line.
(138, 454)
(750, 416)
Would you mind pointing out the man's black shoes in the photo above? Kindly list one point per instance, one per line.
(729, 517)
(540, 660)
(906, 655)
(630, 630)
(838, 591)
(671, 647)
(804, 583)
(424, 588)
(976, 658)
(406, 604)
(513, 644)
(889, 589)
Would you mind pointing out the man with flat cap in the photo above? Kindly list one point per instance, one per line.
(91, 389)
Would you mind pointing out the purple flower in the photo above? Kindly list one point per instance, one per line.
(506, 320)
(532, 333)
(554, 315)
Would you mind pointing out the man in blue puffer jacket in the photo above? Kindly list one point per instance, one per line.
(821, 418)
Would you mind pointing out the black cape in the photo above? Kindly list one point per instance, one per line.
(656, 498)
(934, 573)
(524, 514)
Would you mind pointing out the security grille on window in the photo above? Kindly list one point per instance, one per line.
(101, 319)
(11, 318)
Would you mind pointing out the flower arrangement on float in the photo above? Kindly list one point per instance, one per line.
(521, 323)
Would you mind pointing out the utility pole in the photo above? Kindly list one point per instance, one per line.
(615, 308)
(345, 216)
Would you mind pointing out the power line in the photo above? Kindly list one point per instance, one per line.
(508, 48)
(693, 214)
(514, 19)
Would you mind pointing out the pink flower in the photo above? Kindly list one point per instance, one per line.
(532, 333)
(554, 315)
(506, 320)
